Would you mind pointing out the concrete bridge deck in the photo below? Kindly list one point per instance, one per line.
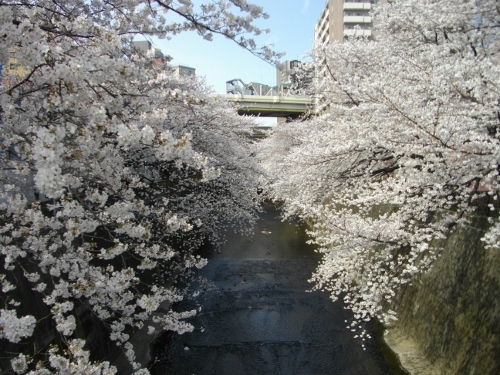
(272, 106)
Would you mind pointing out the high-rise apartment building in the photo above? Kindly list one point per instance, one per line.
(344, 18)
(285, 73)
(184, 71)
(145, 47)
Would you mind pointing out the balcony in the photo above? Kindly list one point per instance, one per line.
(357, 32)
(320, 26)
(357, 6)
(357, 19)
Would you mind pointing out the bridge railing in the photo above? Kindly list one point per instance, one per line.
(299, 100)
(237, 86)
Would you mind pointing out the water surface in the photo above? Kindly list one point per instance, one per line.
(259, 318)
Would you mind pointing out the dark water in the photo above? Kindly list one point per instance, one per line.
(260, 320)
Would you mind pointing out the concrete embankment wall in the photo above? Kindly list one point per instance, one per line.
(449, 321)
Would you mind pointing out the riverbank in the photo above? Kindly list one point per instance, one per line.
(451, 314)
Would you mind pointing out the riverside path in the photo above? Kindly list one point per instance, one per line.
(258, 318)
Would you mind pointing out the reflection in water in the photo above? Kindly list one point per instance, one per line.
(260, 320)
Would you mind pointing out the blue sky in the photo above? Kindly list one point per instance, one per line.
(291, 24)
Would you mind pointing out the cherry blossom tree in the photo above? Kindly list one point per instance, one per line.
(110, 164)
(404, 149)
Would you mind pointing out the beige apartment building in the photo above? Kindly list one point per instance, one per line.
(341, 19)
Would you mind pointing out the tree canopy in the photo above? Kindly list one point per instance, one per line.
(114, 170)
(404, 149)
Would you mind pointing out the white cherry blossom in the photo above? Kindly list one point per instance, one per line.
(404, 149)
(114, 170)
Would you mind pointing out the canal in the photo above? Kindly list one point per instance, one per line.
(258, 318)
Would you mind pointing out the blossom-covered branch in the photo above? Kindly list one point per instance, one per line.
(112, 175)
(405, 148)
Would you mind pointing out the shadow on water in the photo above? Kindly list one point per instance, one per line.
(258, 318)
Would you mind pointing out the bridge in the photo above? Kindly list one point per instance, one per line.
(272, 106)
(265, 101)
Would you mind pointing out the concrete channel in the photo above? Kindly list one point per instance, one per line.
(258, 318)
